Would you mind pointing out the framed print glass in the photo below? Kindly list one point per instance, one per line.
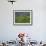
(22, 17)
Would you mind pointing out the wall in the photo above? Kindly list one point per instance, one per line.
(37, 31)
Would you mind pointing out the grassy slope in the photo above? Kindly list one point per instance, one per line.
(22, 19)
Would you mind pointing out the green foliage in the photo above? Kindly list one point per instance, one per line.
(22, 19)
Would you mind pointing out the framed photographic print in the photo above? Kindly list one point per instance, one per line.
(22, 17)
